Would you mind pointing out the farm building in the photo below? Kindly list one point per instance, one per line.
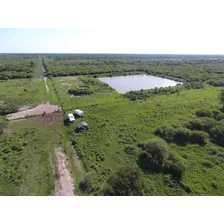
(71, 117)
(79, 112)
(82, 125)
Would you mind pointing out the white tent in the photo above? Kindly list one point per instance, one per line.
(79, 112)
(71, 117)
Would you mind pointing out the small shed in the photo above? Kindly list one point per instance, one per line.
(79, 112)
(71, 118)
(82, 125)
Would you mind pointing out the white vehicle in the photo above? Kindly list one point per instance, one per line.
(82, 125)
(79, 112)
(71, 117)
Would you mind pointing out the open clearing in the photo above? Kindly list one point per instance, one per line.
(64, 187)
(43, 108)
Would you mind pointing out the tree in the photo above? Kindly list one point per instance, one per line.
(204, 113)
(199, 137)
(167, 133)
(127, 181)
(183, 135)
(2, 125)
(156, 151)
(217, 133)
(222, 96)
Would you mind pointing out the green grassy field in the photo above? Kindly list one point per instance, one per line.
(115, 122)
(22, 92)
(27, 159)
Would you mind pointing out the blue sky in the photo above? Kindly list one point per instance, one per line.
(118, 26)
(114, 26)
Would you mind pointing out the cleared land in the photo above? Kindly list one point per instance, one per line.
(65, 186)
(43, 108)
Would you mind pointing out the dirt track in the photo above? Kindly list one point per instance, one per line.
(40, 109)
(65, 186)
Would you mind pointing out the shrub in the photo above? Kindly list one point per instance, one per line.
(2, 126)
(175, 167)
(204, 113)
(125, 182)
(220, 116)
(167, 133)
(199, 137)
(183, 135)
(217, 134)
(131, 150)
(202, 124)
(156, 151)
(86, 185)
(215, 185)
(207, 164)
(216, 113)
(78, 92)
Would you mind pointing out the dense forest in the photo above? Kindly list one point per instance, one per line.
(209, 69)
(18, 66)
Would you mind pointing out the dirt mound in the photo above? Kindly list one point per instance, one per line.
(49, 118)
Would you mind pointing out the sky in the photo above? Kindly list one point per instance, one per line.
(118, 26)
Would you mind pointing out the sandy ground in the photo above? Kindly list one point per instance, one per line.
(64, 186)
(40, 109)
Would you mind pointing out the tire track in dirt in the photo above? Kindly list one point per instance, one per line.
(64, 185)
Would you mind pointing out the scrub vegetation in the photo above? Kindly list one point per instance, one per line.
(166, 141)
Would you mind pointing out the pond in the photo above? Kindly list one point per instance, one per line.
(125, 84)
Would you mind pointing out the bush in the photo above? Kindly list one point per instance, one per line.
(167, 133)
(86, 185)
(2, 126)
(207, 164)
(220, 116)
(201, 124)
(175, 167)
(199, 137)
(125, 182)
(217, 134)
(156, 151)
(216, 113)
(204, 113)
(78, 92)
(131, 150)
(183, 135)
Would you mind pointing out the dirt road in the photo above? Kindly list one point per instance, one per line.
(45, 81)
(64, 186)
(40, 109)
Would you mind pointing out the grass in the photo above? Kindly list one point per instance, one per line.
(115, 122)
(23, 92)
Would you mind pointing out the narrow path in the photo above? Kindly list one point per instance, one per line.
(64, 186)
(45, 81)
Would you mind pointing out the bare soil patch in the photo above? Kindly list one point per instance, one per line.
(64, 186)
(49, 118)
(40, 109)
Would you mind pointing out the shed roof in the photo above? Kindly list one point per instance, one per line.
(78, 111)
(70, 115)
(83, 123)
